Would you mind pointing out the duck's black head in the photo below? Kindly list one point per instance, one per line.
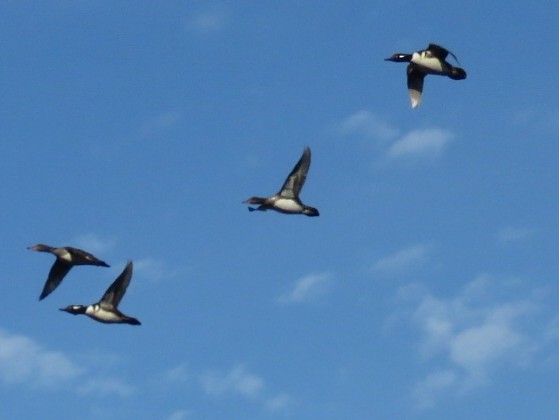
(399, 58)
(255, 200)
(40, 248)
(74, 309)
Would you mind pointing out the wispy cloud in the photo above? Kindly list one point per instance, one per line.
(537, 118)
(161, 122)
(237, 381)
(180, 415)
(429, 389)
(365, 123)
(103, 386)
(153, 269)
(470, 336)
(207, 21)
(278, 402)
(22, 360)
(403, 259)
(425, 143)
(307, 288)
(513, 234)
(179, 373)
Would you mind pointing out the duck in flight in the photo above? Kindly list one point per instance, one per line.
(106, 310)
(66, 258)
(431, 60)
(287, 199)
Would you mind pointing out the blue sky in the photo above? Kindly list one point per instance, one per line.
(426, 289)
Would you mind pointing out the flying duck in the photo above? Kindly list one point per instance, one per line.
(106, 310)
(66, 258)
(431, 60)
(287, 199)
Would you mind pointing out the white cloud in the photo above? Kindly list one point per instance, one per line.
(179, 373)
(475, 348)
(402, 260)
(512, 234)
(180, 415)
(278, 402)
(536, 118)
(236, 381)
(428, 143)
(207, 21)
(25, 362)
(428, 389)
(22, 360)
(240, 382)
(153, 269)
(161, 122)
(474, 334)
(307, 288)
(103, 386)
(367, 124)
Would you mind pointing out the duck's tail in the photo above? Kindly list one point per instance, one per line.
(457, 73)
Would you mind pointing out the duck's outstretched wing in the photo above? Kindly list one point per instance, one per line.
(415, 85)
(115, 292)
(296, 179)
(56, 274)
(441, 52)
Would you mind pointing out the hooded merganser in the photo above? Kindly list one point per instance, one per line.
(432, 60)
(106, 310)
(66, 258)
(287, 199)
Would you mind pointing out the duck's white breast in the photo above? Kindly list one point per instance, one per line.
(95, 311)
(428, 62)
(287, 205)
